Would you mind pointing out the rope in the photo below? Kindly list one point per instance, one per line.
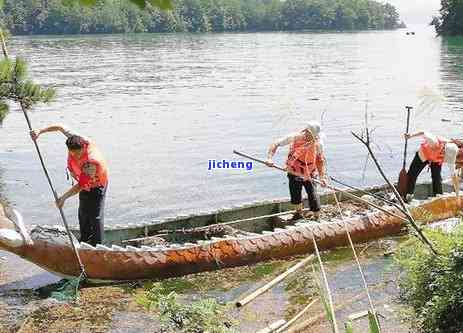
(24, 110)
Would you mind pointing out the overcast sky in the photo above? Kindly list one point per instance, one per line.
(416, 11)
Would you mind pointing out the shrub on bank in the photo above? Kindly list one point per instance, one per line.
(433, 285)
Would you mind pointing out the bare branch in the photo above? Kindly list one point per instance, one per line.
(397, 195)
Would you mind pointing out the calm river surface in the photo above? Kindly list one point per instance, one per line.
(161, 105)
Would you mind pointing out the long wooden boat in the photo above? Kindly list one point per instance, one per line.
(230, 237)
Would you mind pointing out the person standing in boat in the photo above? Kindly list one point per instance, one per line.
(305, 161)
(88, 167)
(434, 151)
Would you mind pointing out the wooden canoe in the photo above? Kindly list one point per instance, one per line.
(257, 240)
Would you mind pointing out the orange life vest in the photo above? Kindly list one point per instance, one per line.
(433, 153)
(90, 155)
(302, 157)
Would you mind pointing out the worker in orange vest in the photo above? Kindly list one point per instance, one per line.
(434, 151)
(305, 161)
(88, 167)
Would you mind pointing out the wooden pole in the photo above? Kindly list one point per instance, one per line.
(330, 305)
(350, 195)
(296, 317)
(275, 281)
(368, 193)
(273, 327)
(362, 275)
(305, 325)
(55, 195)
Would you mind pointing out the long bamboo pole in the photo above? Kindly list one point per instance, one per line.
(330, 304)
(297, 316)
(274, 282)
(4, 49)
(350, 195)
(55, 195)
(367, 193)
(362, 275)
(273, 327)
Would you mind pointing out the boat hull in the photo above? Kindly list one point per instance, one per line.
(122, 264)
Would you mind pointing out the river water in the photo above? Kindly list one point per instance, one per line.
(160, 106)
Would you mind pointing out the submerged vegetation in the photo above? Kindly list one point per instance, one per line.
(116, 16)
(433, 285)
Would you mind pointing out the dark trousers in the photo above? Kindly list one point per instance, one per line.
(91, 215)
(295, 190)
(415, 169)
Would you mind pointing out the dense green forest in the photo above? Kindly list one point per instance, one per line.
(451, 19)
(115, 16)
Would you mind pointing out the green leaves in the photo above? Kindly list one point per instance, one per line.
(20, 70)
(139, 3)
(205, 315)
(329, 310)
(450, 22)
(161, 4)
(433, 285)
(16, 86)
(116, 16)
(6, 71)
(349, 327)
(88, 2)
(3, 111)
(373, 323)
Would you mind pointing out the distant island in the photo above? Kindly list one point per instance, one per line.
(24, 17)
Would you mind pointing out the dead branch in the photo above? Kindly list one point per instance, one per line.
(410, 218)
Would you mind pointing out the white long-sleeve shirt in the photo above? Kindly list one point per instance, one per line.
(290, 138)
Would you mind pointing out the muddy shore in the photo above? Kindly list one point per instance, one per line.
(115, 309)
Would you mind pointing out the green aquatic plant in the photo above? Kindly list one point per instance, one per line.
(205, 315)
(433, 284)
(373, 325)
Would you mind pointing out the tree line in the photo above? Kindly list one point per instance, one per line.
(121, 16)
(450, 22)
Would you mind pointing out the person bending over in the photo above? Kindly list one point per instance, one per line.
(88, 167)
(434, 151)
(305, 161)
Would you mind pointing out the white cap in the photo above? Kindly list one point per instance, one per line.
(314, 127)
